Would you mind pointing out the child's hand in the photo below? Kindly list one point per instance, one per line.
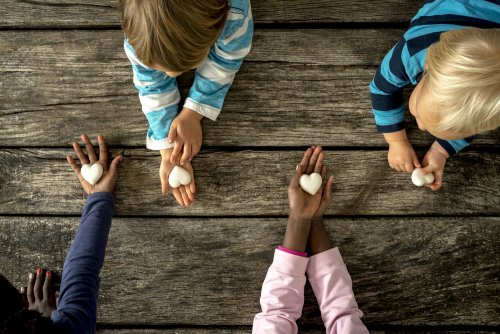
(183, 194)
(402, 156)
(185, 133)
(434, 162)
(302, 204)
(40, 295)
(109, 176)
(326, 198)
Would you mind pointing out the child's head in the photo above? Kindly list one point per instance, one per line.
(459, 94)
(172, 35)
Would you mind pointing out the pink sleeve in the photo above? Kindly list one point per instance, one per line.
(332, 287)
(282, 295)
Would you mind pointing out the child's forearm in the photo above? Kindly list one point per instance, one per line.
(397, 136)
(297, 233)
(319, 240)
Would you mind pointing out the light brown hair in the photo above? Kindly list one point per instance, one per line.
(464, 80)
(175, 35)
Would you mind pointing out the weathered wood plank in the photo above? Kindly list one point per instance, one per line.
(406, 271)
(87, 13)
(251, 183)
(248, 329)
(58, 84)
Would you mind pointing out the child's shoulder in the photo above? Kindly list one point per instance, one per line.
(459, 11)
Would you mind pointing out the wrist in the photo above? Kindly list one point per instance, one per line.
(440, 149)
(396, 137)
(298, 219)
(189, 113)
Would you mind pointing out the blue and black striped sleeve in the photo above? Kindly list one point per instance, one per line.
(386, 89)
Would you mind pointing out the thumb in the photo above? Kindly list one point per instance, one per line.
(164, 183)
(172, 134)
(428, 169)
(295, 179)
(113, 168)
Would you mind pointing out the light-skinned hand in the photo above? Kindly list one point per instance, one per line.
(185, 133)
(434, 162)
(183, 194)
(302, 204)
(109, 176)
(402, 156)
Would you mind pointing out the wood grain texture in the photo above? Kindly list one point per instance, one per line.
(197, 330)
(251, 183)
(90, 13)
(56, 85)
(405, 271)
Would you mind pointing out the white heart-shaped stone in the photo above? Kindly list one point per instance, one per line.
(179, 176)
(419, 179)
(311, 183)
(92, 173)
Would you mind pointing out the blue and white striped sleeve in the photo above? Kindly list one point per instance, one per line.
(159, 98)
(215, 75)
(386, 89)
(455, 146)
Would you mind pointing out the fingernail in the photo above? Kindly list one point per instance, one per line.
(39, 271)
(297, 167)
(169, 141)
(48, 274)
(30, 277)
(121, 158)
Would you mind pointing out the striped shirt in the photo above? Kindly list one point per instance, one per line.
(404, 63)
(158, 92)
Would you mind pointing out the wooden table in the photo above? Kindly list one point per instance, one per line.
(420, 261)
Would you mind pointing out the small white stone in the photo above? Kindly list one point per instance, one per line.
(419, 179)
(92, 173)
(179, 176)
(311, 183)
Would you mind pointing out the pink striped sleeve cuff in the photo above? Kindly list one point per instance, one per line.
(286, 250)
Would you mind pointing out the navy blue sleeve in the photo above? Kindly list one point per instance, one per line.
(77, 309)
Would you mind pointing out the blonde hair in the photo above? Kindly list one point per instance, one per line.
(173, 34)
(464, 80)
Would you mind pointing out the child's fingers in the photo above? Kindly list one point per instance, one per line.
(178, 196)
(172, 134)
(174, 157)
(90, 148)
(186, 154)
(189, 194)
(414, 159)
(428, 169)
(113, 168)
(103, 151)
(195, 149)
(294, 183)
(75, 168)
(323, 171)
(164, 183)
(313, 159)
(47, 286)
(318, 167)
(305, 159)
(328, 187)
(31, 293)
(80, 154)
(185, 197)
(408, 166)
(38, 285)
